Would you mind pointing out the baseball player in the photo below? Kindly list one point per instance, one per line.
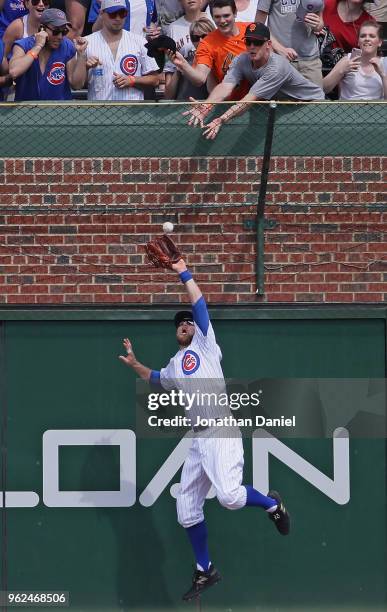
(215, 457)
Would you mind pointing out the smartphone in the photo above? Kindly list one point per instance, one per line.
(355, 53)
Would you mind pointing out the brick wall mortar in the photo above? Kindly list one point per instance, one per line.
(84, 242)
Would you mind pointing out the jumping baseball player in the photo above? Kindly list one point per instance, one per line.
(214, 458)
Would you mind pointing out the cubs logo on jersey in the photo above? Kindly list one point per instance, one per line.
(57, 73)
(129, 64)
(190, 362)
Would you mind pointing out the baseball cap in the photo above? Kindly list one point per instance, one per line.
(257, 31)
(182, 315)
(111, 6)
(54, 17)
(160, 44)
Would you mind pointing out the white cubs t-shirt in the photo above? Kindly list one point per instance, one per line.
(131, 59)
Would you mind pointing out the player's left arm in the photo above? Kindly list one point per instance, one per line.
(199, 306)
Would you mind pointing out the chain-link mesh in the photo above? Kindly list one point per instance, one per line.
(83, 187)
(148, 129)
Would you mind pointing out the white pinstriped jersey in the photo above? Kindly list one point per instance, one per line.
(131, 59)
(197, 368)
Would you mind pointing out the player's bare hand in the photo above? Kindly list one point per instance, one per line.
(41, 38)
(80, 45)
(197, 113)
(314, 21)
(129, 358)
(121, 80)
(289, 53)
(179, 266)
(377, 63)
(93, 62)
(211, 129)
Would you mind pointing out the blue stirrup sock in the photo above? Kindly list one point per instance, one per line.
(255, 498)
(198, 538)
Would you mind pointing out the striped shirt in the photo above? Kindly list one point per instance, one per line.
(197, 370)
(131, 59)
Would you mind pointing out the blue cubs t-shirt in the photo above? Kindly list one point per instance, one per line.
(53, 84)
(12, 9)
(1, 56)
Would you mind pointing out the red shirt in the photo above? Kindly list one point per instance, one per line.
(346, 33)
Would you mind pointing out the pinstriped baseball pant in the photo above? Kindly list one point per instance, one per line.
(211, 461)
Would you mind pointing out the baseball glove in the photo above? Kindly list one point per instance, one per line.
(162, 252)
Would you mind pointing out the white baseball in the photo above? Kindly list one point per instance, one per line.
(167, 227)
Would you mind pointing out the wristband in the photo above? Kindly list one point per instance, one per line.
(132, 81)
(185, 276)
(32, 54)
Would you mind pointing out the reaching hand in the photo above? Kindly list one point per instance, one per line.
(197, 113)
(211, 129)
(176, 58)
(80, 45)
(129, 359)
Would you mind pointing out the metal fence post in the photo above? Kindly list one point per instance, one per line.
(260, 266)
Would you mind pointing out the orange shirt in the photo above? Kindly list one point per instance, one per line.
(217, 52)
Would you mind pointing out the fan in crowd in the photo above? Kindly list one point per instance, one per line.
(119, 67)
(293, 25)
(47, 65)
(179, 87)
(176, 85)
(141, 17)
(363, 77)
(10, 10)
(344, 18)
(25, 26)
(217, 50)
(269, 75)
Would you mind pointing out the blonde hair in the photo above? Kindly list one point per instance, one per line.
(201, 26)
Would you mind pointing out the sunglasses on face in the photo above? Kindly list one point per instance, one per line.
(253, 41)
(37, 2)
(197, 37)
(58, 31)
(122, 13)
(186, 321)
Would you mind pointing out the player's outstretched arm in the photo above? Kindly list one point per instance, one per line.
(199, 306)
(130, 360)
(192, 289)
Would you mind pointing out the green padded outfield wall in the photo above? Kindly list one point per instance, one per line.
(60, 371)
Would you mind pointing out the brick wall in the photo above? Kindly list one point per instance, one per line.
(326, 240)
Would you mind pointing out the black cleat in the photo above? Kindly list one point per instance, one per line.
(280, 516)
(202, 581)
